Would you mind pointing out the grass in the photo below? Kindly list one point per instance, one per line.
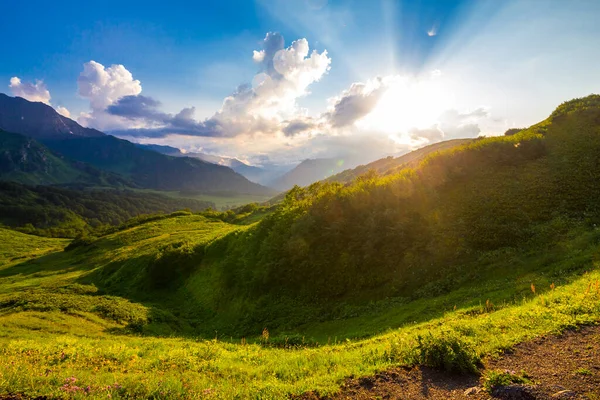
(65, 333)
(187, 368)
(220, 200)
(495, 378)
(17, 247)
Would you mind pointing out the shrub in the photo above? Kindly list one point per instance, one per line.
(81, 241)
(174, 263)
(494, 379)
(512, 131)
(445, 351)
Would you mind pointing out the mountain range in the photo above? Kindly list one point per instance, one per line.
(264, 174)
(311, 170)
(57, 147)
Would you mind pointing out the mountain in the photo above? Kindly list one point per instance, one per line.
(38, 120)
(390, 165)
(311, 170)
(166, 150)
(262, 175)
(25, 160)
(145, 168)
(447, 264)
(153, 170)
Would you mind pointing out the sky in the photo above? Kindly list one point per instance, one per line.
(279, 81)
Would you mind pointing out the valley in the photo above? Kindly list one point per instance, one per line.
(445, 261)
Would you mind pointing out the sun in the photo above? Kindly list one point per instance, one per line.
(406, 105)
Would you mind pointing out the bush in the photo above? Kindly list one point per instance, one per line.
(512, 131)
(174, 263)
(494, 379)
(446, 351)
(81, 241)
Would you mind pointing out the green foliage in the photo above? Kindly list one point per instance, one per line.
(81, 240)
(512, 131)
(495, 378)
(446, 351)
(173, 263)
(60, 212)
(591, 102)
(390, 234)
(430, 265)
(393, 165)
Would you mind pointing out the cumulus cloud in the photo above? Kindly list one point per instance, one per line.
(63, 111)
(451, 124)
(138, 107)
(433, 134)
(103, 87)
(263, 107)
(356, 102)
(381, 116)
(37, 92)
(456, 124)
(298, 126)
(30, 91)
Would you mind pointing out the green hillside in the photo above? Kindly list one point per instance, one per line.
(62, 212)
(25, 160)
(391, 165)
(61, 335)
(476, 248)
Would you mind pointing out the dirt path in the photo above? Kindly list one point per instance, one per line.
(561, 367)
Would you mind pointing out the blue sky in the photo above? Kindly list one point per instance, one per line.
(395, 74)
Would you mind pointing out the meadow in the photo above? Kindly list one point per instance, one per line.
(443, 264)
(65, 339)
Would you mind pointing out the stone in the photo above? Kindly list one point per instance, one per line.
(472, 391)
(515, 392)
(564, 394)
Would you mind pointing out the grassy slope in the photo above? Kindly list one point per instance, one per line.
(61, 212)
(220, 201)
(389, 165)
(81, 331)
(75, 300)
(18, 247)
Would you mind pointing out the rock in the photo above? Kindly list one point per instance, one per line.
(472, 391)
(564, 394)
(515, 392)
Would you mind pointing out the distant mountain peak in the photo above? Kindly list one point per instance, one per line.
(38, 120)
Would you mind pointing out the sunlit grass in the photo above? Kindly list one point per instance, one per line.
(40, 361)
(60, 336)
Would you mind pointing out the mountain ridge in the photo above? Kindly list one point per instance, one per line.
(262, 175)
(38, 120)
(145, 168)
(25, 160)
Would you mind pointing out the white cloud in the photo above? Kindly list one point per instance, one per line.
(263, 107)
(285, 75)
(102, 87)
(37, 92)
(371, 119)
(63, 111)
(432, 31)
(30, 91)
(258, 56)
(356, 102)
